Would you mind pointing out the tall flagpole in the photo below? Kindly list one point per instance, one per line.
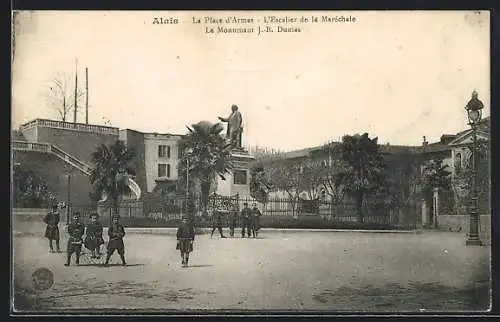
(86, 95)
(76, 92)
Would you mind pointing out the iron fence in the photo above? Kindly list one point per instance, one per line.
(276, 213)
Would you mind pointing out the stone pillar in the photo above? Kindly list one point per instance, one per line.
(238, 181)
(425, 215)
(435, 199)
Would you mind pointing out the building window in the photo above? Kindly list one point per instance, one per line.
(458, 163)
(162, 170)
(168, 170)
(164, 151)
(240, 176)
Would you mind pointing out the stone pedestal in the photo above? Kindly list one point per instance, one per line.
(425, 216)
(238, 181)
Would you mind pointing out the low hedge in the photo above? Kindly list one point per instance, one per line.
(281, 222)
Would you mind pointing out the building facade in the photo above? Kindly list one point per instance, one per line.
(65, 149)
(161, 158)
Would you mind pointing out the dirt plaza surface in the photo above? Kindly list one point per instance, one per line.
(283, 271)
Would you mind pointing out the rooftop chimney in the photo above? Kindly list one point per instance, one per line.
(425, 141)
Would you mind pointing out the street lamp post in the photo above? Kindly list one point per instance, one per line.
(16, 184)
(68, 205)
(188, 154)
(474, 107)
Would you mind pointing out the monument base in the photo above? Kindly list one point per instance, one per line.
(238, 180)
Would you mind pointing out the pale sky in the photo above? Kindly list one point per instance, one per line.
(396, 75)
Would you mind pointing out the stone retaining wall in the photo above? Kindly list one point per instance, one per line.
(461, 223)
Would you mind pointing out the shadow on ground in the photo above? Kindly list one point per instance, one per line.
(26, 301)
(109, 265)
(413, 297)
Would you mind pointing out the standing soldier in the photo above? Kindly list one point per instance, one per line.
(232, 222)
(116, 232)
(185, 239)
(52, 230)
(246, 222)
(93, 237)
(217, 223)
(255, 220)
(76, 229)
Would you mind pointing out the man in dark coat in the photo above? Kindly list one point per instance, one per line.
(233, 217)
(255, 220)
(185, 239)
(93, 236)
(76, 229)
(52, 230)
(217, 223)
(246, 222)
(116, 232)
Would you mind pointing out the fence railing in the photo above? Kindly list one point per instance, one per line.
(50, 148)
(71, 126)
(275, 213)
(31, 146)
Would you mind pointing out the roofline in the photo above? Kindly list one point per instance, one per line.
(153, 133)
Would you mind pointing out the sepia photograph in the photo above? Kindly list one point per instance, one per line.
(250, 162)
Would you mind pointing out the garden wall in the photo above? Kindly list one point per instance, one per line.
(461, 223)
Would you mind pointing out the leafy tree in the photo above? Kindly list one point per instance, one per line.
(364, 172)
(462, 182)
(311, 178)
(113, 164)
(209, 157)
(30, 190)
(259, 187)
(286, 175)
(333, 166)
(435, 175)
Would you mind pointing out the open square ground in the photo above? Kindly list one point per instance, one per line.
(284, 271)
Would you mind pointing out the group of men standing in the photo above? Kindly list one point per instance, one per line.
(249, 221)
(93, 236)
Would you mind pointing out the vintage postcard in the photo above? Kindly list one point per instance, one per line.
(306, 162)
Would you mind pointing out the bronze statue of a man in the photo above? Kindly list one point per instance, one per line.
(234, 126)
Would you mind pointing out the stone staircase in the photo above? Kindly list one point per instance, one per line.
(66, 157)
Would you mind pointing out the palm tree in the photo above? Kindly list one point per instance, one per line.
(112, 165)
(209, 156)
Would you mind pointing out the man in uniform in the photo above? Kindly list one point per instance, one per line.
(185, 239)
(255, 219)
(76, 229)
(52, 230)
(217, 223)
(93, 236)
(246, 222)
(116, 232)
(232, 222)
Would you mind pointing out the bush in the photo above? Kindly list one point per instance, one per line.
(309, 206)
(317, 222)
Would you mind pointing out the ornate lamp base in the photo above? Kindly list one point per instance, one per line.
(473, 241)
